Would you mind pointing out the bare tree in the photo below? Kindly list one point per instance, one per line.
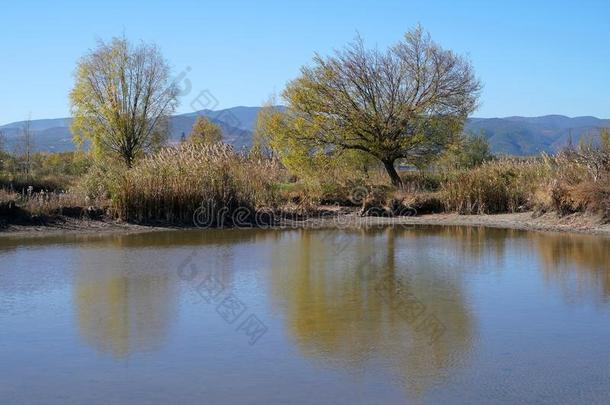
(26, 148)
(408, 102)
(122, 99)
(2, 142)
(2, 150)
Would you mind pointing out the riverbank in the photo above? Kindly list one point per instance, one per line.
(342, 218)
(74, 226)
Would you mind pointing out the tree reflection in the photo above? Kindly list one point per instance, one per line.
(329, 290)
(125, 289)
(124, 301)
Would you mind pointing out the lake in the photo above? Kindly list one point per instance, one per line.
(367, 316)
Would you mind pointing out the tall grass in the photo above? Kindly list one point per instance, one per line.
(504, 185)
(172, 184)
(34, 204)
(572, 181)
(579, 182)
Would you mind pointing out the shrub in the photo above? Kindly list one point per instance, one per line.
(467, 152)
(422, 180)
(49, 172)
(425, 203)
(102, 181)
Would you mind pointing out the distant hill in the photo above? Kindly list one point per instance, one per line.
(509, 135)
(532, 135)
(54, 135)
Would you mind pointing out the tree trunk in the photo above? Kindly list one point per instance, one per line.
(389, 167)
(128, 160)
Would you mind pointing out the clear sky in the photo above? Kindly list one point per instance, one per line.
(534, 57)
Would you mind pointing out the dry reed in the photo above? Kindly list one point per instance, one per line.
(172, 184)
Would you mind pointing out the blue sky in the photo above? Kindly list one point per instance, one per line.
(534, 57)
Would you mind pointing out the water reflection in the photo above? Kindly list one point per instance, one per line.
(332, 298)
(334, 301)
(580, 265)
(124, 302)
(336, 313)
(335, 310)
(126, 286)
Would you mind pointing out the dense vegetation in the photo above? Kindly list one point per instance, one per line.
(169, 186)
(349, 122)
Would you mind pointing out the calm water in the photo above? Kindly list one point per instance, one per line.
(393, 315)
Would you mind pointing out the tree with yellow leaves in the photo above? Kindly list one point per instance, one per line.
(404, 104)
(122, 99)
(205, 132)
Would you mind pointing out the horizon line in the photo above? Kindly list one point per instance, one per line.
(279, 105)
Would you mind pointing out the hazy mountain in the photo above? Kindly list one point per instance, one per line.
(510, 135)
(39, 125)
(531, 135)
(54, 134)
(238, 117)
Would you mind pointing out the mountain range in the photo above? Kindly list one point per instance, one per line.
(508, 135)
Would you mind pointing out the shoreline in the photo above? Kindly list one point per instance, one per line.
(527, 221)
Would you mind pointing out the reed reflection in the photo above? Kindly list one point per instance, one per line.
(580, 264)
